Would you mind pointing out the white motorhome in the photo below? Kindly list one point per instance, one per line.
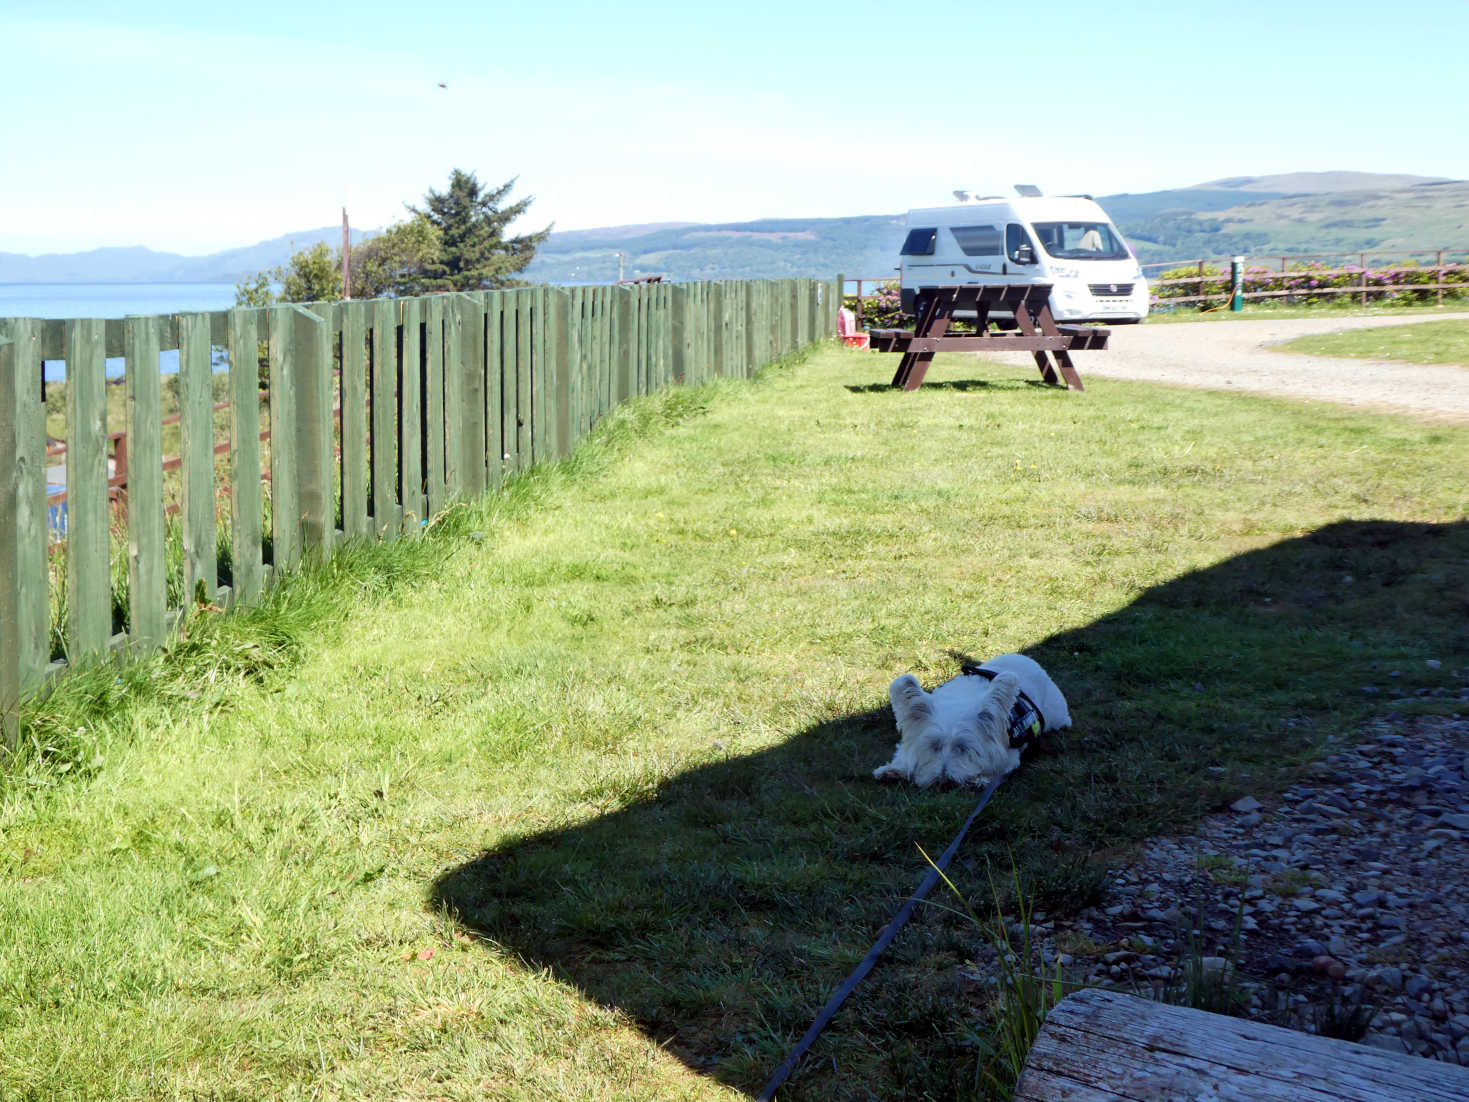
(1067, 241)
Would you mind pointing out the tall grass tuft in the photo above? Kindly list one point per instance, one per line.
(1024, 993)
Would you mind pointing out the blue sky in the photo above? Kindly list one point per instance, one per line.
(192, 127)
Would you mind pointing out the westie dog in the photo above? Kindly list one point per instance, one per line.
(970, 730)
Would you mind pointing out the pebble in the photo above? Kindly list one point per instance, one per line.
(1357, 885)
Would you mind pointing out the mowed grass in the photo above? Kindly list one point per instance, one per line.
(1431, 342)
(573, 799)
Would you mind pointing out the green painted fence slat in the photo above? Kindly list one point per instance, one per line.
(247, 572)
(285, 512)
(32, 576)
(89, 589)
(147, 589)
(433, 402)
(356, 464)
(453, 358)
(509, 382)
(572, 353)
(411, 386)
(314, 428)
(196, 449)
(626, 322)
(494, 390)
(24, 572)
(471, 308)
(384, 446)
(524, 341)
(543, 434)
(10, 537)
(558, 312)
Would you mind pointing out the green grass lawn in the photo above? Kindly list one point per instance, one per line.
(1431, 342)
(573, 798)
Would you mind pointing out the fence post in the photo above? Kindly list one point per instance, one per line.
(1237, 284)
(1438, 277)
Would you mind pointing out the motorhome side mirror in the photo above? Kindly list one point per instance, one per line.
(1024, 254)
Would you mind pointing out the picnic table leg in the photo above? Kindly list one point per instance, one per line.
(1068, 370)
(1027, 326)
(932, 321)
(1048, 373)
(1047, 327)
(911, 370)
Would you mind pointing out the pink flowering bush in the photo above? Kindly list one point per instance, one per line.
(882, 309)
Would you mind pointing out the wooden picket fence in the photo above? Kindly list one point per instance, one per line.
(440, 398)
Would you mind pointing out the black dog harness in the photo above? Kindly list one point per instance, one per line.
(1026, 720)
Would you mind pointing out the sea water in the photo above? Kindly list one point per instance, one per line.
(111, 300)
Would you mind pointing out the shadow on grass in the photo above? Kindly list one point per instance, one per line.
(959, 385)
(721, 911)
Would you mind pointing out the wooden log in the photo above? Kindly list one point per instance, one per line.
(1104, 1046)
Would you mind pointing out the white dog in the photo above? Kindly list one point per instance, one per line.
(970, 729)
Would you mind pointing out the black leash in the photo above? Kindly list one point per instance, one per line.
(899, 921)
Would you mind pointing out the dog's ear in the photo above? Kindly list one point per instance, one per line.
(994, 714)
(910, 702)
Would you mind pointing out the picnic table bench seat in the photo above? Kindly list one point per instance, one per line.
(1106, 1046)
(1028, 305)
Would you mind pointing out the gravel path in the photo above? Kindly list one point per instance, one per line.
(1235, 355)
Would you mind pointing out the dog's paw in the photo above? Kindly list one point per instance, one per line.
(890, 773)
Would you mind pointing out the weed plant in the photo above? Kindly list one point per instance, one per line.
(1024, 994)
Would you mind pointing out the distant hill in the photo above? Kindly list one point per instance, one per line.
(139, 265)
(1426, 215)
(1314, 183)
(772, 248)
(1313, 212)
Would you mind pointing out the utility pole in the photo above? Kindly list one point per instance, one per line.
(346, 257)
(620, 258)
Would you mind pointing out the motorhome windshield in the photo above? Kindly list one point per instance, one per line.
(1081, 241)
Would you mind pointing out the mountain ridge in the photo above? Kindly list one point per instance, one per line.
(1327, 212)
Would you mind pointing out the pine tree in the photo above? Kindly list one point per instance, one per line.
(475, 254)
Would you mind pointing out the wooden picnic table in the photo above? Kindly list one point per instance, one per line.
(1029, 303)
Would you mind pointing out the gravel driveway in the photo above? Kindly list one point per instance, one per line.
(1235, 355)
